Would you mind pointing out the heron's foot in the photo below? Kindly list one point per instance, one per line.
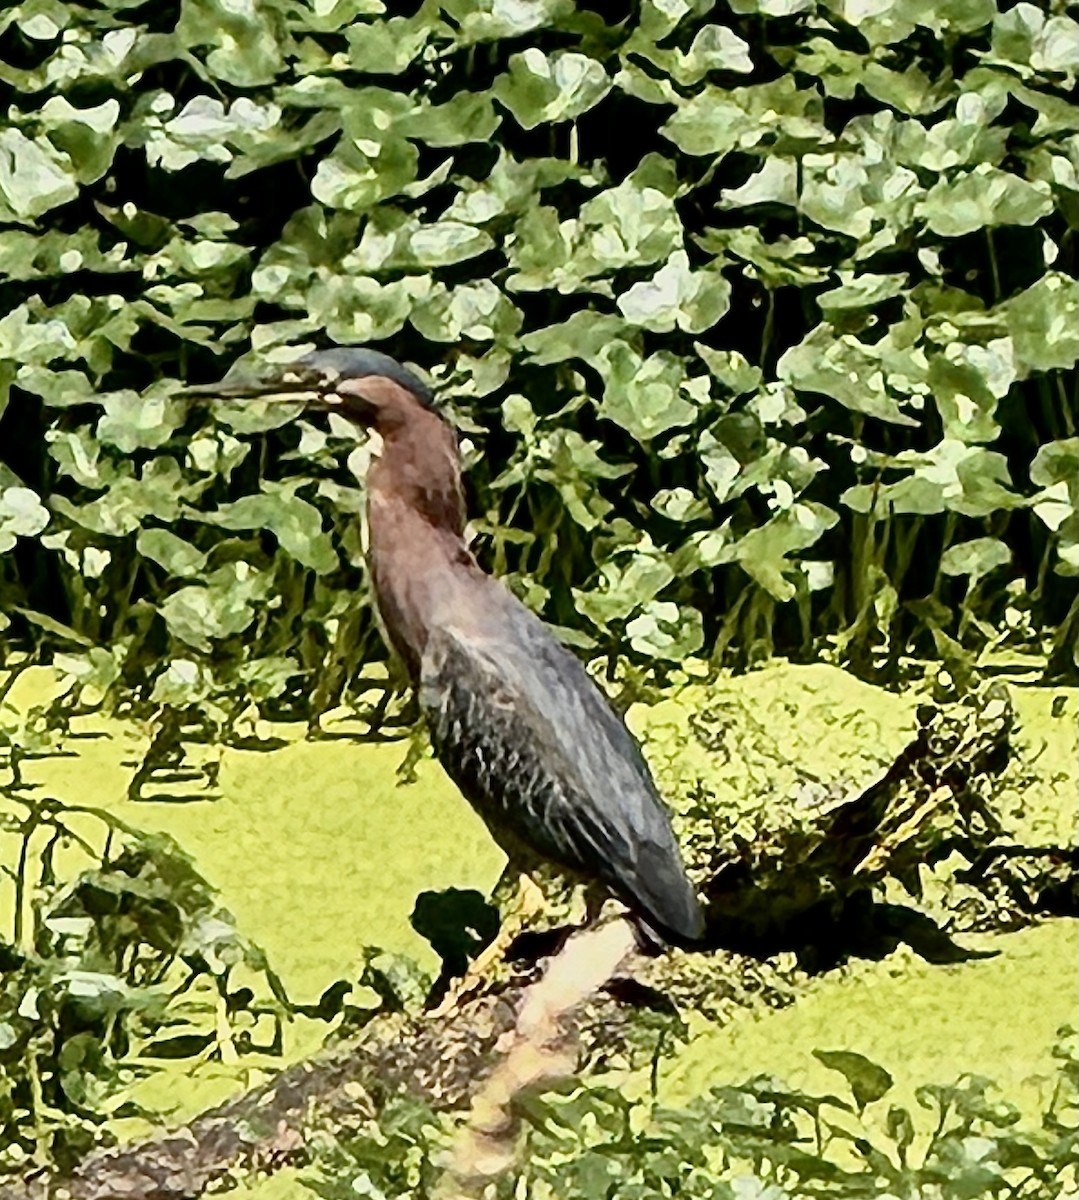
(493, 965)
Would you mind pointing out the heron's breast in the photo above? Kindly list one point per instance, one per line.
(419, 576)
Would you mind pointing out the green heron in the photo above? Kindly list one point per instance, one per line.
(517, 722)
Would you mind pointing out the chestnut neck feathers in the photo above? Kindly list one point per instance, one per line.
(416, 519)
(418, 470)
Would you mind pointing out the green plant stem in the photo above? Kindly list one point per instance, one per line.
(950, 523)
(1048, 407)
(1043, 573)
(769, 329)
(1065, 407)
(966, 609)
(1060, 661)
(22, 885)
(37, 1106)
(10, 678)
(994, 266)
(906, 539)
(729, 626)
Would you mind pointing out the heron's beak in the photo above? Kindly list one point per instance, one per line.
(296, 383)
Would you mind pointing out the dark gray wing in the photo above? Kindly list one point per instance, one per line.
(538, 751)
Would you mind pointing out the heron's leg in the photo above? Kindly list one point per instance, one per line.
(525, 903)
(507, 891)
(520, 899)
(595, 897)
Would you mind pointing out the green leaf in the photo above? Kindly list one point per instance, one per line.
(664, 630)
(1044, 323)
(714, 48)
(443, 243)
(866, 195)
(171, 552)
(476, 311)
(624, 585)
(635, 223)
(1024, 38)
(136, 422)
(679, 504)
(88, 136)
(968, 139)
(845, 369)
(763, 552)
(868, 1081)
(572, 464)
(34, 177)
(911, 91)
(255, 416)
(389, 47)
(715, 121)
(492, 20)
(223, 608)
(676, 296)
(649, 396)
(518, 416)
(976, 558)
(1056, 462)
(772, 8)
(157, 490)
(583, 336)
(541, 252)
(952, 477)
(631, 225)
(57, 388)
(984, 197)
(64, 632)
(374, 160)
(860, 290)
(245, 49)
(778, 262)
(967, 381)
(1055, 470)
(295, 523)
(775, 183)
(21, 515)
(468, 117)
(954, 16)
(206, 129)
(542, 90)
(730, 369)
(357, 309)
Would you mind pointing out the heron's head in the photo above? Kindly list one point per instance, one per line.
(365, 386)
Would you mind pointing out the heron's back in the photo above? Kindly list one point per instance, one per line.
(535, 746)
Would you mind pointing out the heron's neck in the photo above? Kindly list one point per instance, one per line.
(418, 473)
(416, 519)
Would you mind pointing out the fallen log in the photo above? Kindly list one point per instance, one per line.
(489, 1050)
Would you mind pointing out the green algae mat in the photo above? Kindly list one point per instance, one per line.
(318, 850)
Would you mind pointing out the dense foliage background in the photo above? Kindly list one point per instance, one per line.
(759, 320)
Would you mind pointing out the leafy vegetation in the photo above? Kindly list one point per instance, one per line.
(757, 1141)
(118, 958)
(758, 320)
(791, 368)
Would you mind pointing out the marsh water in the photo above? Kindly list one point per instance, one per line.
(318, 849)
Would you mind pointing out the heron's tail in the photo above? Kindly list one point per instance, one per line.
(665, 903)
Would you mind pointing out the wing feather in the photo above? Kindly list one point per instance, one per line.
(537, 750)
